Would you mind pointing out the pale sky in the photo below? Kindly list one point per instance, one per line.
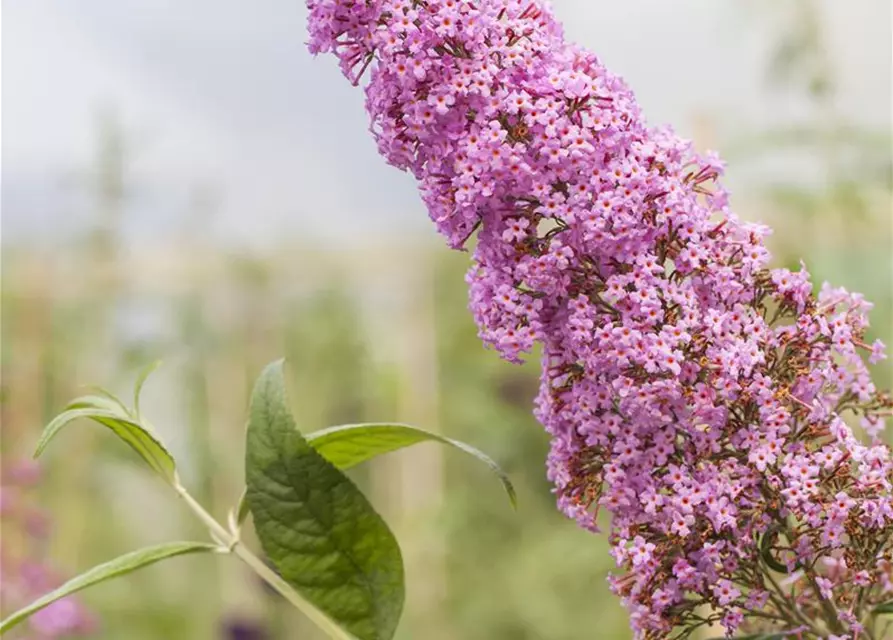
(223, 93)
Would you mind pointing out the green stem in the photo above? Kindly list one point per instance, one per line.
(831, 615)
(785, 603)
(230, 540)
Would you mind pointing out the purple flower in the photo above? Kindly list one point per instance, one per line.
(238, 629)
(64, 617)
(691, 391)
(26, 574)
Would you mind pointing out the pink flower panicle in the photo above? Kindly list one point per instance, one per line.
(691, 391)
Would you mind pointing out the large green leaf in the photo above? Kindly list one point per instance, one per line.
(112, 569)
(321, 533)
(349, 445)
(137, 435)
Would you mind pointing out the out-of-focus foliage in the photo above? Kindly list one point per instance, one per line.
(499, 560)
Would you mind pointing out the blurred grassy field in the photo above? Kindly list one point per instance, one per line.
(365, 339)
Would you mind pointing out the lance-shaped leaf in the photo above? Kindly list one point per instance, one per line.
(320, 532)
(100, 402)
(112, 569)
(767, 543)
(138, 386)
(116, 402)
(886, 607)
(348, 445)
(137, 435)
(242, 509)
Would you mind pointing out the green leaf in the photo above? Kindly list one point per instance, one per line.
(886, 607)
(112, 569)
(349, 445)
(100, 402)
(111, 397)
(242, 509)
(140, 381)
(766, 543)
(320, 532)
(137, 435)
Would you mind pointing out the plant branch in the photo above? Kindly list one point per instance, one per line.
(231, 543)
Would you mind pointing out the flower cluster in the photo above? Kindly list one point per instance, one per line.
(691, 391)
(25, 576)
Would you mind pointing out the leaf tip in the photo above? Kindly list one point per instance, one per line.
(513, 496)
(39, 449)
(141, 378)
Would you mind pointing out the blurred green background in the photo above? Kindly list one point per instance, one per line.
(375, 332)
